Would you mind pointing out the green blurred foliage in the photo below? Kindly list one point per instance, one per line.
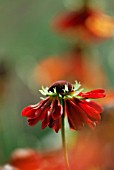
(26, 37)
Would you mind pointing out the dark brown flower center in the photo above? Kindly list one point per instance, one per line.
(60, 87)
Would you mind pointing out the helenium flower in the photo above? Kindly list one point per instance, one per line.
(78, 107)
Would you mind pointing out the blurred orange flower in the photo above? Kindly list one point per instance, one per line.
(86, 23)
(71, 66)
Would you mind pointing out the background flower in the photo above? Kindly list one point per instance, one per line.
(26, 41)
(75, 67)
(86, 23)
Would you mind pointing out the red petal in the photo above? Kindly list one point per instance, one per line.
(28, 111)
(43, 104)
(98, 93)
(74, 113)
(46, 120)
(91, 124)
(55, 125)
(96, 106)
(57, 110)
(90, 111)
(32, 121)
(34, 109)
(43, 114)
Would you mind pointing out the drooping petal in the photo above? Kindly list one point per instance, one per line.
(57, 109)
(46, 120)
(28, 111)
(52, 112)
(43, 113)
(91, 124)
(92, 113)
(55, 125)
(34, 109)
(32, 121)
(48, 115)
(76, 121)
(43, 104)
(96, 106)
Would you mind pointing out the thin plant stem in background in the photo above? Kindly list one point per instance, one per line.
(86, 3)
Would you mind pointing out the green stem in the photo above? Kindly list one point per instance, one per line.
(64, 138)
(86, 3)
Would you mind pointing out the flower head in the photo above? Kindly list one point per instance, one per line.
(86, 23)
(78, 108)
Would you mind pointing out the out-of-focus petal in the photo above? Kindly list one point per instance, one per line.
(91, 124)
(88, 24)
(26, 159)
(100, 25)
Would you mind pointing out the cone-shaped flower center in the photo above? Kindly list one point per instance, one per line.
(60, 87)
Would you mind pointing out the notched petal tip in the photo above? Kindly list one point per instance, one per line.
(55, 125)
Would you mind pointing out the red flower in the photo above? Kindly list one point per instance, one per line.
(79, 109)
(88, 24)
(28, 159)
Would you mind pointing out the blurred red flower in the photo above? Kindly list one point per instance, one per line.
(28, 159)
(25, 159)
(8, 167)
(86, 23)
(78, 109)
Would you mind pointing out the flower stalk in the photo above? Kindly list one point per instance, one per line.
(64, 137)
(86, 3)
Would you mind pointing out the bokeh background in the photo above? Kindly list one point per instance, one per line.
(33, 53)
